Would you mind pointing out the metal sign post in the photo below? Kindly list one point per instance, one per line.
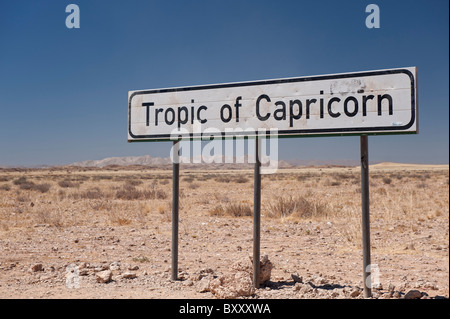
(365, 215)
(257, 213)
(175, 194)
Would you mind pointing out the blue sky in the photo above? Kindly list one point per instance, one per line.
(63, 92)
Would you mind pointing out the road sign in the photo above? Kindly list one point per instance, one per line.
(370, 102)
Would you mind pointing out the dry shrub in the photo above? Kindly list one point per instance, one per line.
(20, 180)
(67, 183)
(189, 179)
(121, 221)
(157, 194)
(5, 187)
(223, 179)
(129, 192)
(43, 188)
(299, 206)
(134, 182)
(241, 179)
(51, 217)
(194, 186)
(233, 210)
(28, 185)
(91, 193)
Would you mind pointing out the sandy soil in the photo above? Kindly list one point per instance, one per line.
(55, 241)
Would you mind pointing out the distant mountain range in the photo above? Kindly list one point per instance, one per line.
(218, 162)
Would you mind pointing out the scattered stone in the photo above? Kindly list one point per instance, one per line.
(129, 275)
(134, 267)
(104, 276)
(114, 266)
(203, 284)
(429, 285)
(355, 293)
(320, 281)
(37, 267)
(232, 286)
(297, 278)
(297, 286)
(413, 294)
(246, 265)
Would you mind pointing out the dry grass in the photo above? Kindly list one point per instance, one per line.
(127, 197)
(297, 207)
(232, 210)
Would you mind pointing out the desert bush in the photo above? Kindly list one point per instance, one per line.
(300, 206)
(53, 218)
(91, 193)
(194, 186)
(387, 180)
(102, 177)
(128, 192)
(20, 181)
(241, 179)
(223, 179)
(134, 182)
(24, 184)
(5, 187)
(43, 188)
(157, 194)
(233, 210)
(67, 183)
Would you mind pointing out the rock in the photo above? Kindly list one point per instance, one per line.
(244, 284)
(104, 276)
(82, 265)
(84, 272)
(265, 269)
(391, 287)
(114, 266)
(429, 285)
(246, 265)
(413, 294)
(203, 284)
(355, 293)
(37, 267)
(297, 286)
(320, 281)
(204, 272)
(129, 275)
(297, 278)
(232, 286)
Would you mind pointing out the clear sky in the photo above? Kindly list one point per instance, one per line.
(63, 92)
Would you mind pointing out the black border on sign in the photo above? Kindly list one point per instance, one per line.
(293, 133)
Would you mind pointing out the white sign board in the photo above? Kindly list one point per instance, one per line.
(371, 102)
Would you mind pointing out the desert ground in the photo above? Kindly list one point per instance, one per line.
(72, 232)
